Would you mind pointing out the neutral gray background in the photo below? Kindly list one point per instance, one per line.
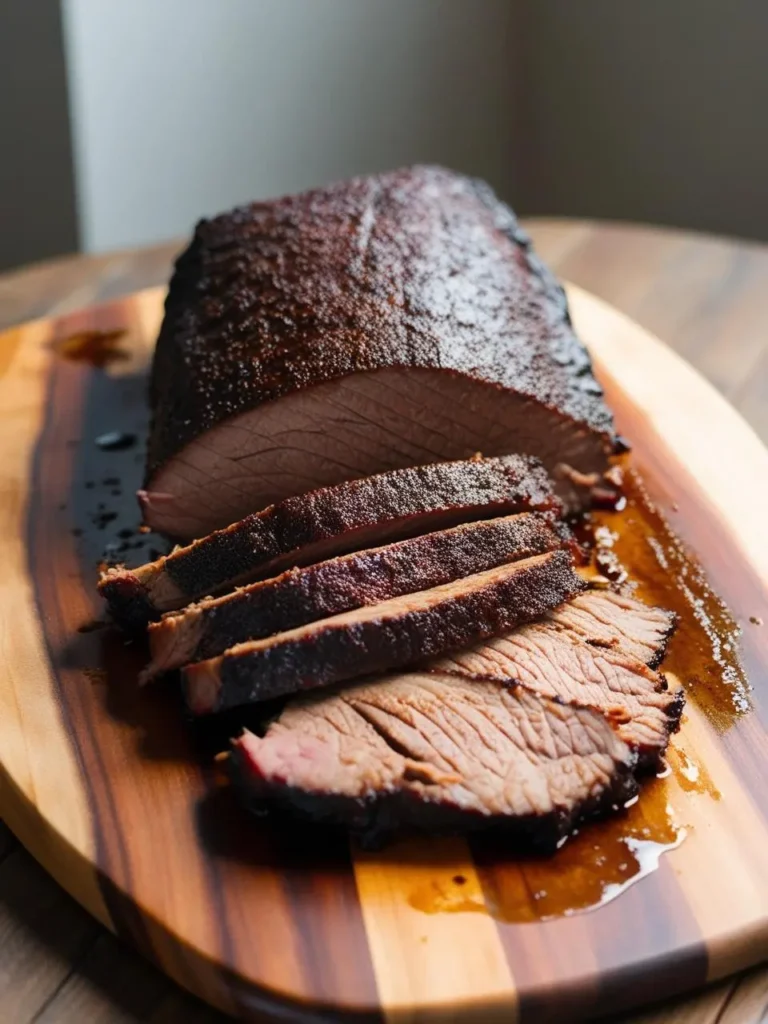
(653, 111)
(37, 197)
(183, 107)
(608, 108)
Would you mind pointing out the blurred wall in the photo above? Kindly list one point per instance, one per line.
(185, 107)
(37, 199)
(654, 111)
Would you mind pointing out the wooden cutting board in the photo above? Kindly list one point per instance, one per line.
(107, 787)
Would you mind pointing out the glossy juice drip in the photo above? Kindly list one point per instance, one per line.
(97, 348)
(632, 548)
(704, 650)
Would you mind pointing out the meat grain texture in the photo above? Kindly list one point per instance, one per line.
(371, 324)
(529, 733)
(309, 527)
(392, 634)
(299, 596)
(439, 752)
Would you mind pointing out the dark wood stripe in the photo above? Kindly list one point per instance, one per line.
(280, 912)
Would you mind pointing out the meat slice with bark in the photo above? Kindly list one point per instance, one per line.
(392, 634)
(346, 517)
(363, 326)
(434, 751)
(562, 666)
(363, 578)
(607, 619)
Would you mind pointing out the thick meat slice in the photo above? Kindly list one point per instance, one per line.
(388, 635)
(350, 581)
(555, 664)
(607, 619)
(436, 751)
(331, 521)
(370, 324)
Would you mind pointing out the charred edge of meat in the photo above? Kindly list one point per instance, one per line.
(128, 600)
(337, 652)
(335, 520)
(660, 651)
(416, 201)
(301, 596)
(376, 819)
(402, 503)
(658, 648)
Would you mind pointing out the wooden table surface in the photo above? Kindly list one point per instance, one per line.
(706, 297)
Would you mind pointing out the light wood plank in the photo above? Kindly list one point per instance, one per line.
(440, 959)
(694, 292)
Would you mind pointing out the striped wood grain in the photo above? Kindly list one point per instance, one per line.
(106, 788)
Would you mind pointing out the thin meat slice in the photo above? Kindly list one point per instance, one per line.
(433, 751)
(558, 665)
(608, 619)
(356, 328)
(356, 580)
(392, 634)
(331, 521)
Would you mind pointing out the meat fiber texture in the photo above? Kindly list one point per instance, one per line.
(333, 520)
(439, 752)
(367, 325)
(531, 732)
(392, 634)
(299, 596)
(553, 662)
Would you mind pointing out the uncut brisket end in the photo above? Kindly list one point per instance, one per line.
(370, 324)
(368, 577)
(346, 517)
(392, 634)
(438, 752)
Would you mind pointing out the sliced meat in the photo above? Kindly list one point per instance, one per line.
(561, 666)
(434, 752)
(338, 519)
(392, 634)
(608, 619)
(350, 581)
(367, 325)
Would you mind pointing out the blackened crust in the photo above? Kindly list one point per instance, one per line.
(300, 596)
(328, 652)
(127, 598)
(386, 506)
(416, 268)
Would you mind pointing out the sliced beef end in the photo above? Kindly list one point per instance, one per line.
(392, 634)
(359, 327)
(607, 619)
(331, 521)
(554, 664)
(434, 752)
(300, 596)
(367, 424)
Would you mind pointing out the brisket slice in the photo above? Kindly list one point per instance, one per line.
(367, 325)
(558, 665)
(300, 596)
(331, 521)
(392, 634)
(607, 619)
(436, 752)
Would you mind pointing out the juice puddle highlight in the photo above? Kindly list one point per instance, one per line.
(635, 549)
